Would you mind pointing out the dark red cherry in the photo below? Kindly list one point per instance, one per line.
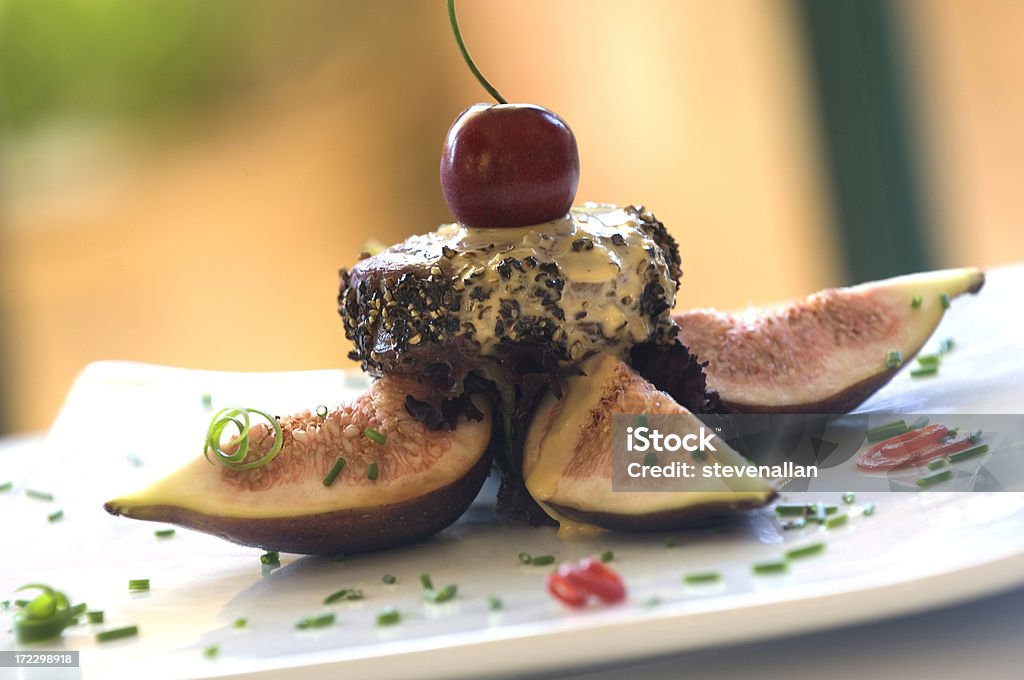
(509, 165)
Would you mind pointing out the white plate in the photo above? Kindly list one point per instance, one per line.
(918, 551)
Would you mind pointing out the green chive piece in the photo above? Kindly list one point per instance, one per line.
(969, 453)
(336, 469)
(770, 566)
(389, 617)
(117, 633)
(374, 435)
(877, 434)
(272, 558)
(206, 400)
(650, 459)
(138, 584)
(94, 616)
(371, 471)
(700, 577)
(6, 604)
(806, 550)
(916, 301)
(946, 345)
(791, 509)
(241, 623)
(976, 436)
(929, 359)
(6, 486)
(525, 558)
(211, 652)
(494, 603)
(346, 594)
(924, 371)
(39, 495)
(163, 533)
(426, 582)
(671, 542)
(320, 621)
(938, 463)
(795, 523)
(388, 579)
(869, 509)
(642, 421)
(919, 423)
(944, 299)
(836, 521)
(439, 596)
(55, 516)
(936, 478)
(849, 497)
(542, 560)
(894, 359)
(607, 556)
(321, 411)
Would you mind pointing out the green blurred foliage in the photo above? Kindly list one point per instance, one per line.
(114, 58)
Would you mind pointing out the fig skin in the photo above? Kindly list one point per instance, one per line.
(567, 462)
(426, 480)
(826, 353)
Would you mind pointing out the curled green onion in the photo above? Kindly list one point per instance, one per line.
(374, 436)
(117, 633)
(43, 617)
(231, 415)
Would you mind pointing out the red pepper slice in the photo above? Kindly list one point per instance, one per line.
(565, 588)
(599, 580)
(911, 448)
(909, 442)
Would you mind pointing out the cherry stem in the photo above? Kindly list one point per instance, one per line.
(469, 60)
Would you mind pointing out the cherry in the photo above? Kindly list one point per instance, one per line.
(509, 165)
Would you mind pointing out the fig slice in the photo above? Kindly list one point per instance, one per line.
(425, 480)
(567, 459)
(826, 353)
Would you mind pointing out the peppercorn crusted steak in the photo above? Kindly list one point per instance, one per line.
(600, 279)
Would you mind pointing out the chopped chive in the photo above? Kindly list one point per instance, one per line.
(702, 577)
(791, 509)
(894, 359)
(929, 359)
(388, 617)
(117, 633)
(206, 400)
(770, 566)
(542, 560)
(336, 469)
(371, 471)
(938, 463)
(836, 521)
(671, 542)
(388, 579)
(916, 301)
(55, 516)
(919, 423)
(241, 623)
(607, 556)
(936, 478)
(806, 550)
(138, 584)
(924, 371)
(272, 558)
(525, 558)
(795, 523)
(374, 435)
(94, 617)
(39, 495)
(346, 594)
(321, 621)
(969, 453)
(163, 533)
(494, 603)
(426, 582)
(946, 345)
(439, 596)
(650, 459)
(6, 604)
(976, 436)
(944, 299)
(877, 434)
(849, 497)
(6, 486)
(869, 509)
(211, 652)
(321, 411)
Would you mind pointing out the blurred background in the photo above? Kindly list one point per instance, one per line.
(181, 179)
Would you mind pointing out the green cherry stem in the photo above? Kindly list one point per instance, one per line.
(469, 60)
